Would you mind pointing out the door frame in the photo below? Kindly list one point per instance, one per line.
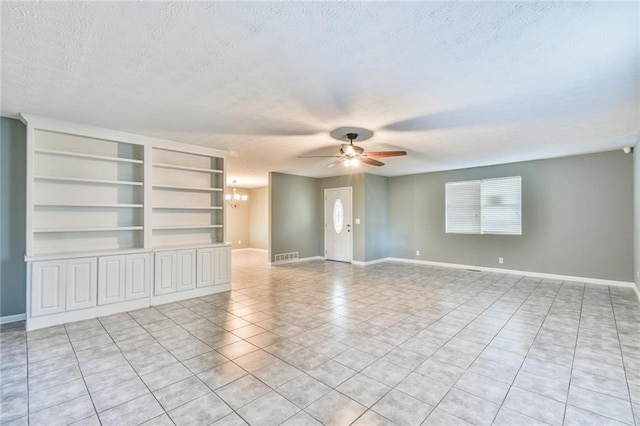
(326, 223)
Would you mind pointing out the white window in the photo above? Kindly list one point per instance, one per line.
(463, 207)
(490, 206)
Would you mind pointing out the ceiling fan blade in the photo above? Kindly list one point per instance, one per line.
(381, 154)
(371, 161)
(319, 156)
(335, 163)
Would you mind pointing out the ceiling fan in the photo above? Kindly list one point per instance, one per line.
(351, 155)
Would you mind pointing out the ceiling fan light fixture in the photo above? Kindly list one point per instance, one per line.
(351, 155)
(351, 162)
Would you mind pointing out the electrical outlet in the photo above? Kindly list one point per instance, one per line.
(417, 252)
(500, 260)
(357, 221)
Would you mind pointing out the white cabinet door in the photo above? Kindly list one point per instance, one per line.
(185, 269)
(205, 267)
(111, 279)
(82, 283)
(222, 266)
(138, 271)
(165, 273)
(48, 285)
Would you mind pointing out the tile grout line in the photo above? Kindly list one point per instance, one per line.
(168, 351)
(447, 341)
(575, 349)
(596, 391)
(260, 293)
(496, 334)
(624, 367)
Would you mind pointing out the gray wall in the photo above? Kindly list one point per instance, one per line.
(12, 216)
(238, 223)
(636, 209)
(259, 218)
(295, 216)
(376, 222)
(577, 213)
(291, 197)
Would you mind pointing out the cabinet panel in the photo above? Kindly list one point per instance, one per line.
(48, 285)
(205, 267)
(82, 283)
(165, 272)
(138, 270)
(111, 279)
(185, 269)
(222, 266)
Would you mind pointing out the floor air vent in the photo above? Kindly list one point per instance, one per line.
(286, 256)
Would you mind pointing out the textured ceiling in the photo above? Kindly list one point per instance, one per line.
(454, 84)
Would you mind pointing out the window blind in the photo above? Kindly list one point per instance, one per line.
(501, 206)
(490, 206)
(463, 207)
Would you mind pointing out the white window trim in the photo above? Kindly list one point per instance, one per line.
(469, 208)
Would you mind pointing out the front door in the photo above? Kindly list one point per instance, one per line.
(338, 231)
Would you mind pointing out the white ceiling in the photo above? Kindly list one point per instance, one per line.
(454, 84)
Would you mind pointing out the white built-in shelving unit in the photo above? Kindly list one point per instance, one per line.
(117, 221)
(87, 194)
(187, 198)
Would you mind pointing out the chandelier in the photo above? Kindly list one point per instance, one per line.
(234, 199)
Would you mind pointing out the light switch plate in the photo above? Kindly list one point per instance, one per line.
(357, 221)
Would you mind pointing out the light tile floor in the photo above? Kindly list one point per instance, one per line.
(330, 343)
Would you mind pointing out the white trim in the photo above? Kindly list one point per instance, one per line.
(188, 294)
(12, 318)
(251, 249)
(80, 254)
(585, 280)
(326, 223)
(302, 259)
(44, 123)
(637, 291)
(370, 262)
(84, 314)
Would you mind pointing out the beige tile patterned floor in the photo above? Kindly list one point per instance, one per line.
(330, 343)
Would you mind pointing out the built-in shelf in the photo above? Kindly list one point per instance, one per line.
(93, 197)
(84, 155)
(192, 169)
(88, 229)
(84, 253)
(187, 208)
(82, 180)
(187, 188)
(159, 247)
(96, 206)
(170, 227)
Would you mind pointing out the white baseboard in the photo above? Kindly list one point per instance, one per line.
(188, 294)
(369, 262)
(302, 259)
(12, 318)
(83, 314)
(586, 280)
(251, 249)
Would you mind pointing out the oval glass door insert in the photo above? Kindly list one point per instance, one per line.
(338, 216)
